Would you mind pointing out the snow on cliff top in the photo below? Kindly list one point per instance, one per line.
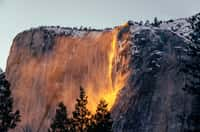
(67, 31)
(180, 26)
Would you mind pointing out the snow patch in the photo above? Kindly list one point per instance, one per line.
(181, 27)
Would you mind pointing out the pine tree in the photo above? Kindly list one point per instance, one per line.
(147, 23)
(61, 122)
(8, 118)
(102, 121)
(81, 115)
(156, 23)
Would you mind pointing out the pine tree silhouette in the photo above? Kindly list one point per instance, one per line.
(61, 122)
(156, 23)
(102, 121)
(8, 118)
(81, 115)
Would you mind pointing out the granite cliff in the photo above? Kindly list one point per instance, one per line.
(133, 67)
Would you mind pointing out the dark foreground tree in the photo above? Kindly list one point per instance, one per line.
(61, 122)
(81, 115)
(82, 120)
(8, 118)
(102, 121)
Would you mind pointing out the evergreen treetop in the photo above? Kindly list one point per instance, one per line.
(102, 121)
(61, 122)
(81, 115)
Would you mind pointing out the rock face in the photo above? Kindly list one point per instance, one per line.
(134, 67)
(153, 99)
(47, 65)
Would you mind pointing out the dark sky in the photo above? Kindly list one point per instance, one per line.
(18, 15)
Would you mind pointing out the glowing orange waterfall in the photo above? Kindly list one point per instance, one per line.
(117, 80)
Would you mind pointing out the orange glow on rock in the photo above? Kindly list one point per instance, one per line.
(93, 61)
(116, 79)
